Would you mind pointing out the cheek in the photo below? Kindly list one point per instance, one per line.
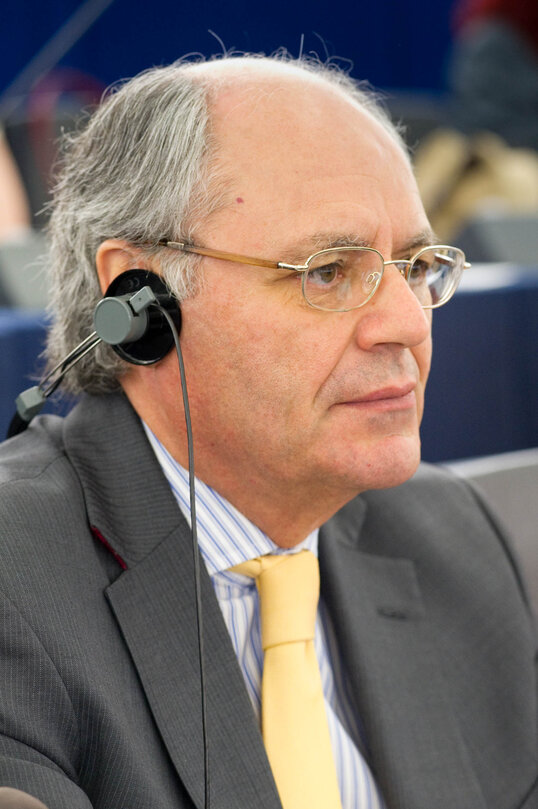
(258, 359)
(423, 356)
(274, 371)
(426, 352)
(422, 352)
(236, 367)
(277, 341)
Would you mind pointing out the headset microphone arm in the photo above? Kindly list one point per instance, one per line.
(117, 320)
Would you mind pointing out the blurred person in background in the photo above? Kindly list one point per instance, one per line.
(482, 162)
(14, 209)
(494, 69)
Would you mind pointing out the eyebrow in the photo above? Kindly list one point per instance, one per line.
(322, 240)
(325, 240)
(423, 239)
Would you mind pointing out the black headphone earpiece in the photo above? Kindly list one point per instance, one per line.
(135, 318)
(144, 337)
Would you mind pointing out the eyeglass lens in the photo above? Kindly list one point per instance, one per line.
(347, 278)
(435, 274)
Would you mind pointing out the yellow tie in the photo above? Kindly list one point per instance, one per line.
(294, 722)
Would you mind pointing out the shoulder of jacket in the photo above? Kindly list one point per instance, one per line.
(28, 455)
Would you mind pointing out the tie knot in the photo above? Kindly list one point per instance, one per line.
(289, 592)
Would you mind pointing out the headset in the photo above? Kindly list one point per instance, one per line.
(135, 317)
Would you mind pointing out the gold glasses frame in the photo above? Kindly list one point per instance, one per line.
(402, 265)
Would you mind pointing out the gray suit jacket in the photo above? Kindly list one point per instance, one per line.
(100, 697)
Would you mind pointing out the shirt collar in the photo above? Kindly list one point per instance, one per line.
(225, 536)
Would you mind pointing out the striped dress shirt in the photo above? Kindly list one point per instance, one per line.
(227, 538)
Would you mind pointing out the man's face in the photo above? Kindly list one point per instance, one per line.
(289, 403)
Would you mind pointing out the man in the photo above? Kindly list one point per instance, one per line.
(306, 386)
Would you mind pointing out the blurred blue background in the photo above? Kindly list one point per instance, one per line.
(391, 43)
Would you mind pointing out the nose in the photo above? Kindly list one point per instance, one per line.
(394, 315)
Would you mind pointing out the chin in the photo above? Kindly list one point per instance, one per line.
(381, 464)
(397, 461)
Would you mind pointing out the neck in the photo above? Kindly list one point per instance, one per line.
(285, 513)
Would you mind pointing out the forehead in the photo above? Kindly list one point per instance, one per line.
(288, 111)
(298, 150)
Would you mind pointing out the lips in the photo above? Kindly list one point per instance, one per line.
(392, 397)
(390, 392)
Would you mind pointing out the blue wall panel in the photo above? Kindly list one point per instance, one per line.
(391, 43)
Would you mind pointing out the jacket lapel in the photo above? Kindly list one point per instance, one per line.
(417, 753)
(154, 604)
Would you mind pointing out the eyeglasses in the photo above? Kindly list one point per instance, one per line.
(340, 279)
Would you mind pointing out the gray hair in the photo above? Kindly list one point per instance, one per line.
(144, 168)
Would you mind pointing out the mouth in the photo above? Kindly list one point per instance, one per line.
(390, 398)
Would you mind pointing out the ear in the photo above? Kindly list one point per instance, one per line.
(113, 257)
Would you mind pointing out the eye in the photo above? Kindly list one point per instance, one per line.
(326, 275)
(418, 272)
